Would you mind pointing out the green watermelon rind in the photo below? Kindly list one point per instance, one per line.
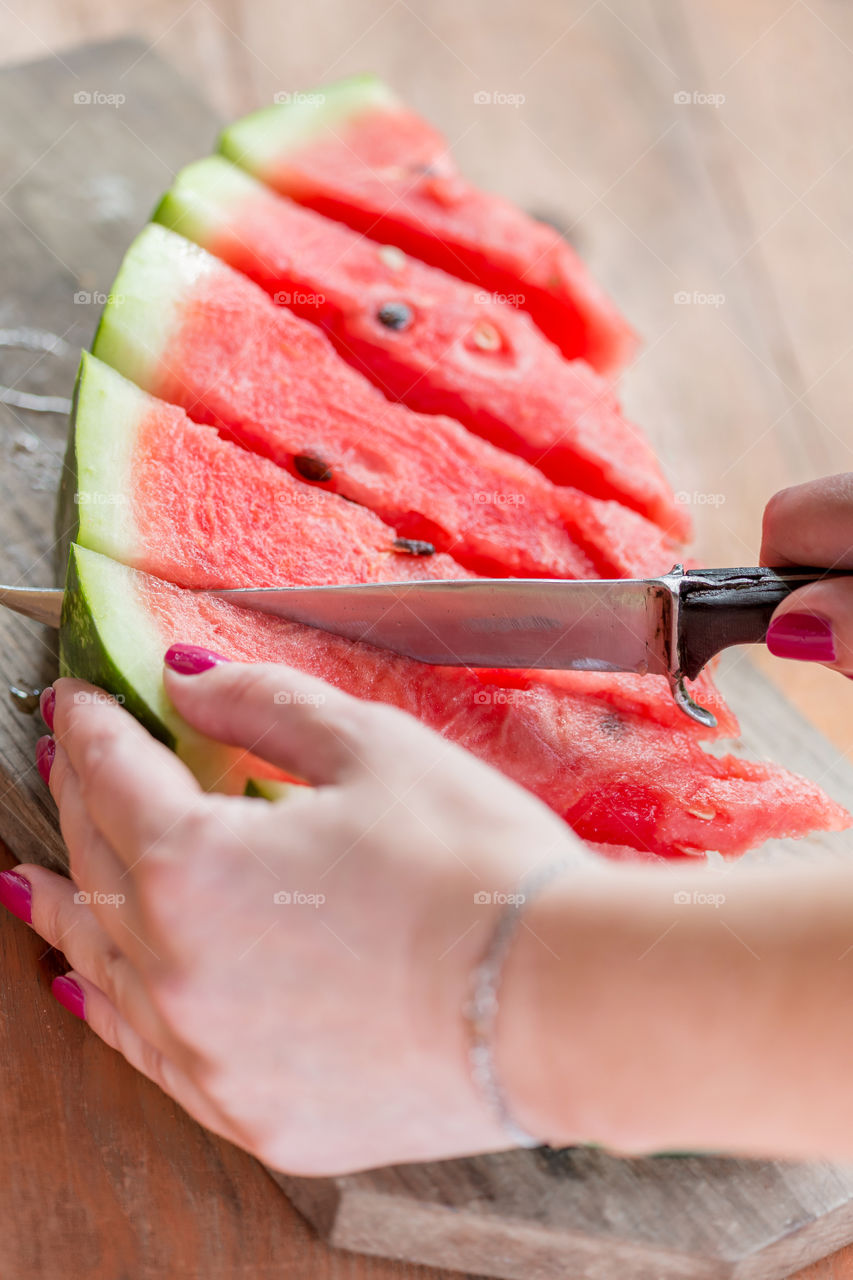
(264, 137)
(204, 198)
(159, 270)
(107, 638)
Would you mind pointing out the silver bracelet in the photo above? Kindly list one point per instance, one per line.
(482, 1009)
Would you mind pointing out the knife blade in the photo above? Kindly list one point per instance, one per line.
(671, 625)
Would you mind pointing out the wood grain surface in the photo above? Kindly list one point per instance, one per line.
(749, 199)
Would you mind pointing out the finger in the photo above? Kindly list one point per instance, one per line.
(136, 791)
(57, 915)
(85, 999)
(815, 624)
(94, 865)
(305, 726)
(811, 524)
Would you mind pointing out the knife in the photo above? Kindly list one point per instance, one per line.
(668, 626)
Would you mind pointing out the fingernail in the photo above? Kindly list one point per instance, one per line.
(45, 751)
(47, 704)
(70, 995)
(190, 659)
(16, 895)
(805, 636)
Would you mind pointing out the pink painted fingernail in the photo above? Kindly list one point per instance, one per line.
(16, 895)
(45, 752)
(191, 659)
(47, 705)
(805, 636)
(70, 995)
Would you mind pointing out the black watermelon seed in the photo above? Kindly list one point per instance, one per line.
(310, 467)
(414, 547)
(395, 315)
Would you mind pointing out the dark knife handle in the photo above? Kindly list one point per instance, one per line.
(722, 607)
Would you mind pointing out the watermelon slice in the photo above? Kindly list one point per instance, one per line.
(146, 486)
(618, 780)
(426, 338)
(188, 328)
(356, 153)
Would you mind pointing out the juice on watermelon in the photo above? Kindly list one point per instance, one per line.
(357, 154)
(426, 338)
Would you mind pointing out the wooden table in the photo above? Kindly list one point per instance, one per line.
(749, 198)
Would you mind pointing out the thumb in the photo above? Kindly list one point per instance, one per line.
(815, 624)
(303, 725)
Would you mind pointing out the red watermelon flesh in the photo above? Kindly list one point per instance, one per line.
(426, 338)
(367, 160)
(578, 754)
(203, 513)
(212, 341)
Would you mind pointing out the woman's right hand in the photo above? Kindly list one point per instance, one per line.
(812, 524)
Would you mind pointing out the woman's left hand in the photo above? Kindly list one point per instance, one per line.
(293, 974)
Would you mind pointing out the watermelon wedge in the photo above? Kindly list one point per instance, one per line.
(356, 153)
(426, 338)
(618, 780)
(189, 329)
(147, 486)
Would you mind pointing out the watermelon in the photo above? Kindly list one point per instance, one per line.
(357, 154)
(191, 330)
(218, 438)
(146, 486)
(426, 338)
(618, 780)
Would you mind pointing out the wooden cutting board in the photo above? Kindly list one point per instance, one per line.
(81, 178)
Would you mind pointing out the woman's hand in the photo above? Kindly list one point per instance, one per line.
(293, 974)
(812, 524)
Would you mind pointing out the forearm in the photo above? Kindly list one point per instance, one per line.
(645, 1023)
